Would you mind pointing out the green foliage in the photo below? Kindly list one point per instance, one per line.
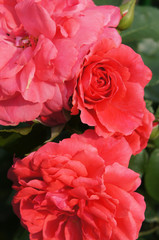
(152, 175)
(138, 162)
(21, 144)
(108, 2)
(23, 129)
(21, 234)
(145, 25)
(143, 36)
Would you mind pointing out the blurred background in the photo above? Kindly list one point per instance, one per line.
(146, 163)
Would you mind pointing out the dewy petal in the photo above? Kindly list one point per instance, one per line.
(35, 19)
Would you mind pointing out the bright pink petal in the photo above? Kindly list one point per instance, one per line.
(66, 48)
(16, 110)
(38, 91)
(35, 19)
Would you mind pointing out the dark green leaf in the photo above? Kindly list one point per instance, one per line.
(149, 50)
(20, 145)
(145, 25)
(155, 132)
(55, 131)
(149, 106)
(138, 162)
(108, 2)
(152, 175)
(152, 211)
(157, 114)
(21, 234)
(143, 35)
(152, 93)
(23, 130)
(7, 139)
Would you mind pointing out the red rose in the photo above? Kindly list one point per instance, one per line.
(110, 89)
(139, 138)
(75, 189)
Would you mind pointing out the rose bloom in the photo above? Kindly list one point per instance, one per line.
(41, 47)
(110, 93)
(80, 188)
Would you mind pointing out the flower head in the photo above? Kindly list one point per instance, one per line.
(110, 92)
(80, 189)
(42, 44)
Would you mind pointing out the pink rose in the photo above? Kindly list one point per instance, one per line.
(42, 44)
(110, 92)
(78, 189)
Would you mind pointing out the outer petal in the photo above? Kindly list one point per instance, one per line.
(108, 148)
(139, 138)
(139, 73)
(66, 48)
(38, 91)
(16, 110)
(90, 27)
(125, 115)
(112, 15)
(35, 19)
(122, 177)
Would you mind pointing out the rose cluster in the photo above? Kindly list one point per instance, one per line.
(67, 55)
(77, 190)
(42, 45)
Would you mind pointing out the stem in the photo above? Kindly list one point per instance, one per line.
(145, 233)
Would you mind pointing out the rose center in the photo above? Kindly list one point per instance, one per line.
(24, 42)
(100, 85)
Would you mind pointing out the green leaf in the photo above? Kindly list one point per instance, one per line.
(151, 213)
(55, 131)
(152, 93)
(149, 106)
(155, 132)
(145, 25)
(143, 36)
(21, 234)
(108, 2)
(148, 48)
(157, 113)
(138, 162)
(152, 175)
(22, 144)
(23, 130)
(7, 139)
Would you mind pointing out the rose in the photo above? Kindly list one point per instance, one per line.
(37, 39)
(79, 188)
(110, 91)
